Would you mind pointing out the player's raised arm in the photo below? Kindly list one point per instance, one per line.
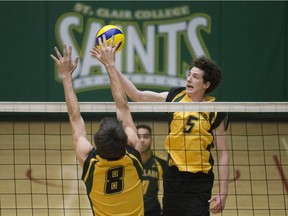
(130, 89)
(140, 96)
(107, 57)
(66, 67)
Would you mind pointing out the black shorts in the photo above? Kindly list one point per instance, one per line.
(154, 212)
(186, 193)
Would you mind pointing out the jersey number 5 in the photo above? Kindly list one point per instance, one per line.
(190, 124)
(114, 180)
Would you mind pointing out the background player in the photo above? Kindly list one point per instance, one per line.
(153, 169)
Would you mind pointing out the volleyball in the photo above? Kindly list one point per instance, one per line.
(109, 31)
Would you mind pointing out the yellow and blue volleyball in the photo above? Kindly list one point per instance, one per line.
(109, 31)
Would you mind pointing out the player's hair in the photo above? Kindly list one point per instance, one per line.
(147, 127)
(111, 140)
(212, 72)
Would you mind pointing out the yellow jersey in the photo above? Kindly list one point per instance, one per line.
(114, 187)
(190, 138)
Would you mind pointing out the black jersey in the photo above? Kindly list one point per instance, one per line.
(153, 171)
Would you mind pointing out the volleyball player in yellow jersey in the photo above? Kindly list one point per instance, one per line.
(189, 179)
(112, 172)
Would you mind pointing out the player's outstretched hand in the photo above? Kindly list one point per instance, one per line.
(106, 53)
(64, 63)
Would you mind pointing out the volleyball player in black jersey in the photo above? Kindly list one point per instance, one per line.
(154, 165)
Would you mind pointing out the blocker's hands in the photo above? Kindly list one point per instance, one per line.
(106, 53)
(64, 63)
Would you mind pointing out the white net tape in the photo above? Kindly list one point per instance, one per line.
(50, 107)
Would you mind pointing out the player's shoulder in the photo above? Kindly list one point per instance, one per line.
(134, 152)
(161, 157)
(173, 92)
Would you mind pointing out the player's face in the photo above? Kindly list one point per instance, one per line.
(145, 139)
(195, 83)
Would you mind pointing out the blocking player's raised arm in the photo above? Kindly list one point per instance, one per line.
(66, 67)
(106, 55)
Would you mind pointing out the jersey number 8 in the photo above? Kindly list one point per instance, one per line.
(114, 180)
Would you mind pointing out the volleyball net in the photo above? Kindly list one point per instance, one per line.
(40, 175)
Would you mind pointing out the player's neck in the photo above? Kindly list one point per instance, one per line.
(145, 156)
(197, 97)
